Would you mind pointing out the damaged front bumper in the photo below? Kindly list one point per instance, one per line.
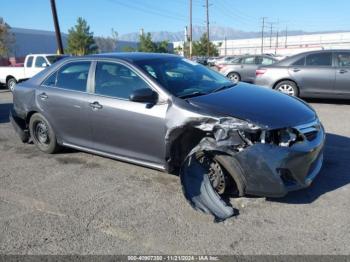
(273, 171)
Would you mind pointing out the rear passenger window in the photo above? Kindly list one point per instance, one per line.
(29, 61)
(343, 59)
(321, 59)
(299, 62)
(249, 60)
(72, 76)
(40, 62)
(116, 80)
(264, 60)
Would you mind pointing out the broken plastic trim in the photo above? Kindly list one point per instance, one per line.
(195, 182)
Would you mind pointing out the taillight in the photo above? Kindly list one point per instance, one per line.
(220, 67)
(260, 72)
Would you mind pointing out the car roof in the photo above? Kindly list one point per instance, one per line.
(291, 59)
(134, 56)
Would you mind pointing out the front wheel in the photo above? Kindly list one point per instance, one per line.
(11, 83)
(42, 134)
(287, 87)
(207, 186)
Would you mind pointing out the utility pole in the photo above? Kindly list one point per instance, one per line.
(276, 42)
(262, 34)
(225, 46)
(285, 43)
(208, 38)
(271, 35)
(57, 27)
(190, 34)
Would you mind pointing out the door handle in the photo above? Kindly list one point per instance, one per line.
(96, 105)
(43, 96)
(343, 71)
(296, 70)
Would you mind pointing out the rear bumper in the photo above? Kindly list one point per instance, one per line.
(264, 81)
(20, 126)
(273, 171)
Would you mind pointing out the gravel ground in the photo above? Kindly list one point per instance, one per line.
(77, 203)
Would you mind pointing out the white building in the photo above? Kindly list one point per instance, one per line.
(283, 46)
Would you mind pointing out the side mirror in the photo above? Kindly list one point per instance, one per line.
(44, 65)
(145, 95)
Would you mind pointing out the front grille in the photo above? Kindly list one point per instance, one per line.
(309, 131)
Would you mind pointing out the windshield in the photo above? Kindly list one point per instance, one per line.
(54, 58)
(182, 77)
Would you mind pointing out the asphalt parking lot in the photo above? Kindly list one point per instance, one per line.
(77, 203)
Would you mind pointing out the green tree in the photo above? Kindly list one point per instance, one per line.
(200, 48)
(162, 47)
(80, 39)
(6, 39)
(128, 49)
(147, 45)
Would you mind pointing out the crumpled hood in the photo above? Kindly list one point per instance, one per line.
(258, 105)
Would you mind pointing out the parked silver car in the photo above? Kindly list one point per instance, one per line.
(243, 68)
(324, 73)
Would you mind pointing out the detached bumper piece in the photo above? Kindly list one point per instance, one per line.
(20, 126)
(200, 193)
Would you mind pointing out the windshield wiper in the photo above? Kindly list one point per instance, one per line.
(197, 93)
(222, 88)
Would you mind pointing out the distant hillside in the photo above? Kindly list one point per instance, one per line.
(216, 33)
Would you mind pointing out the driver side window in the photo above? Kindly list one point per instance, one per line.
(116, 80)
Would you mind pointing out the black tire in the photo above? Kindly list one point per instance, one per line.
(10, 83)
(42, 134)
(287, 87)
(234, 77)
(233, 168)
(200, 193)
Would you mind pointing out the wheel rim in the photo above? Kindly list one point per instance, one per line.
(234, 78)
(216, 176)
(41, 133)
(286, 89)
(12, 84)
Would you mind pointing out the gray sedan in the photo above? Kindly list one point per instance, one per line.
(243, 68)
(320, 74)
(172, 114)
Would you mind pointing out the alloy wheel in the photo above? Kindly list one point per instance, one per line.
(234, 77)
(286, 89)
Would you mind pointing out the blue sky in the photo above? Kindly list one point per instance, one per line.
(172, 15)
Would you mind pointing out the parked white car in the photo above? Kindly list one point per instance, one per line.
(33, 64)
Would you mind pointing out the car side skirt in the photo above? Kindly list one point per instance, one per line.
(116, 157)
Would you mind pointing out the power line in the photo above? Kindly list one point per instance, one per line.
(152, 10)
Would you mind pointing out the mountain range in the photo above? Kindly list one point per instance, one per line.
(216, 33)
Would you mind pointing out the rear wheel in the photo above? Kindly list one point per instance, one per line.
(234, 77)
(287, 87)
(42, 134)
(11, 83)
